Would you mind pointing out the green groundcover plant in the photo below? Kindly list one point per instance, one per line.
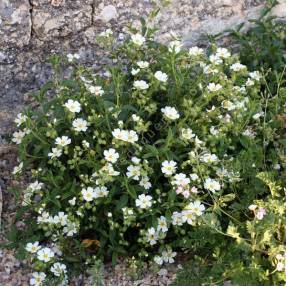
(262, 47)
(168, 149)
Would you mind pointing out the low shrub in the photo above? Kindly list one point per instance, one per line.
(167, 149)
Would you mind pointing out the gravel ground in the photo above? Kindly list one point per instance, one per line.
(16, 273)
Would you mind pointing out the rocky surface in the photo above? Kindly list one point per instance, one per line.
(31, 30)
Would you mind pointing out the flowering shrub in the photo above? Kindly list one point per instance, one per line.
(157, 153)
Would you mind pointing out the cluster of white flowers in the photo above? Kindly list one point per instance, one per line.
(125, 135)
(116, 166)
(175, 46)
(167, 256)
(45, 255)
(73, 57)
(89, 193)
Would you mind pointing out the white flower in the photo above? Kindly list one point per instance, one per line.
(143, 201)
(72, 57)
(194, 177)
(100, 192)
(168, 256)
(257, 115)
(180, 180)
(45, 254)
(56, 152)
(280, 266)
(281, 261)
(107, 33)
(36, 186)
(152, 236)
(141, 84)
(58, 269)
(119, 134)
(18, 136)
(170, 112)
(188, 216)
(214, 131)
(177, 219)
(249, 82)
(20, 119)
(169, 167)
(237, 67)
(249, 133)
(195, 51)
(261, 212)
(135, 71)
(33, 247)
(96, 90)
(17, 169)
(161, 76)
(63, 141)
(196, 207)
(73, 106)
(88, 194)
(223, 53)
(187, 133)
(85, 144)
(255, 75)
(125, 135)
(111, 171)
(79, 124)
(43, 218)
(158, 259)
(134, 172)
(211, 185)
(214, 59)
(277, 166)
(228, 105)
(175, 46)
(111, 155)
(138, 39)
(142, 64)
(70, 229)
(162, 224)
(72, 201)
(135, 160)
(209, 158)
(37, 278)
(132, 136)
(61, 218)
(212, 87)
(145, 183)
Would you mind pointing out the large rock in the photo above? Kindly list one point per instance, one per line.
(15, 24)
(58, 18)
